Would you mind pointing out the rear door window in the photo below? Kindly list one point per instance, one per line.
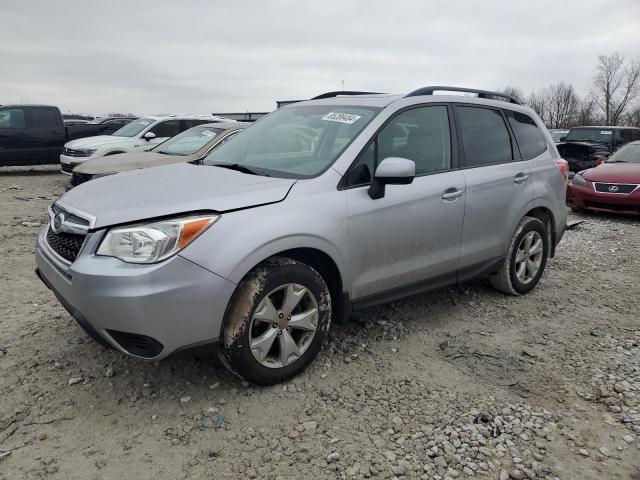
(12, 118)
(44, 118)
(530, 139)
(485, 137)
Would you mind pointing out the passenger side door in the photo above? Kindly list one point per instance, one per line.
(13, 136)
(410, 238)
(499, 185)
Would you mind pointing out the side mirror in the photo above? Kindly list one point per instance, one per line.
(392, 171)
(149, 136)
(600, 160)
(562, 139)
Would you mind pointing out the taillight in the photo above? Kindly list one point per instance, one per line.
(563, 168)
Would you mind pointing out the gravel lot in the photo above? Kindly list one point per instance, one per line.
(459, 383)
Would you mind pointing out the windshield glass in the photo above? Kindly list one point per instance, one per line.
(133, 128)
(627, 154)
(189, 141)
(601, 135)
(557, 136)
(295, 142)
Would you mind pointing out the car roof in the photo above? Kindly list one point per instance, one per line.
(28, 105)
(213, 118)
(383, 100)
(608, 127)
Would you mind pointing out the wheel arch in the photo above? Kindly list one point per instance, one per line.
(321, 261)
(545, 215)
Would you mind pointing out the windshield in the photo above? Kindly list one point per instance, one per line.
(590, 135)
(295, 142)
(189, 141)
(627, 154)
(133, 128)
(558, 136)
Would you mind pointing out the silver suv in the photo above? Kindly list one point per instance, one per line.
(324, 206)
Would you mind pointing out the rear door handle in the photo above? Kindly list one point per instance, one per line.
(521, 178)
(451, 193)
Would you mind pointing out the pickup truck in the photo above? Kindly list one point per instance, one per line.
(35, 134)
(582, 147)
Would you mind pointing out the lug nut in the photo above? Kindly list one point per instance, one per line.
(280, 315)
(274, 325)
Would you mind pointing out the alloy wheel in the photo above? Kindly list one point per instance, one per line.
(529, 257)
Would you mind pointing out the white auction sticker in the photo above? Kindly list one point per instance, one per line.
(208, 133)
(605, 132)
(341, 117)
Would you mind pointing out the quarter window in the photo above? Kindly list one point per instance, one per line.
(530, 139)
(485, 136)
(420, 134)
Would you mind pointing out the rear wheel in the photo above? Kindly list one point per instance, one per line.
(526, 258)
(276, 321)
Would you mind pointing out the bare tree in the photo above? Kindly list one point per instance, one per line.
(562, 105)
(514, 92)
(616, 85)
(537, 101)
(586, 114)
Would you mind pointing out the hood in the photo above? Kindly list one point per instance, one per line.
(614, 173)
(97, 141)
(173, 189)
(584, 144)
(129, 161)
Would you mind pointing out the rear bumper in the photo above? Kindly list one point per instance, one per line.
(587, 198)
(146, 311)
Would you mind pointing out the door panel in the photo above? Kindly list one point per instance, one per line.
(14, 136)
(496, 195)
(410, 235)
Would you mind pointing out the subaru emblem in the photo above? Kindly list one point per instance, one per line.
(58, 220)
(613, 188)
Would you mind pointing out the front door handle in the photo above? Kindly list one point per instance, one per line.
(451, 193)
(521, 178)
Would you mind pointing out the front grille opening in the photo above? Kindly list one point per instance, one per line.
(79, 178)
(67, 245)
(619, 187)
(135, 344)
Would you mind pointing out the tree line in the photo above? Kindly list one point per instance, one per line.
(611, 100)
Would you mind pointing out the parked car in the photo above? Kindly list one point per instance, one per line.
(34, 134)
(558, 135)
(583, 146)
(271, 238)
(189, 146)
(100, 126)
(139, 135)
(612, 186)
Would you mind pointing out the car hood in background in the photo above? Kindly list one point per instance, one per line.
(97, 141)
(172, 189)
(614, 173)
(123, 162)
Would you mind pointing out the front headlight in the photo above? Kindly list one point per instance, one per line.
(154, 241)
(86, 152)
(579, 180)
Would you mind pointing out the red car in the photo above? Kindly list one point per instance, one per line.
(611, 186)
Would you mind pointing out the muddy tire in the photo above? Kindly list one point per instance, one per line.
(275, 322)
(526, 258)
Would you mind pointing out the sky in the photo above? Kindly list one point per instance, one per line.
(191, 56)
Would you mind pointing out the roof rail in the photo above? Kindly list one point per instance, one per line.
(481, 93)
(342, 92)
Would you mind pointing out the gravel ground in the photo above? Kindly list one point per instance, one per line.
(459, 383)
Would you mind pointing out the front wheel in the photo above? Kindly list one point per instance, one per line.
(526, 258)
(275, 322)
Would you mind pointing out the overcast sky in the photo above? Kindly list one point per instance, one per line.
(212, 56)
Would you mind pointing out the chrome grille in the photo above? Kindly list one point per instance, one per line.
(625, 188)
(70, 152)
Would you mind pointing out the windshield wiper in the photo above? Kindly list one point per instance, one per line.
(237, 167)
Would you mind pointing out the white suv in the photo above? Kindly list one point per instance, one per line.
(138, 136)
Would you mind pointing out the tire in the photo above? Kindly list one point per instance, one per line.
(268, 286)
(509, 279)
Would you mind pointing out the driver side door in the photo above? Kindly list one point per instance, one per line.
(409, 240)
